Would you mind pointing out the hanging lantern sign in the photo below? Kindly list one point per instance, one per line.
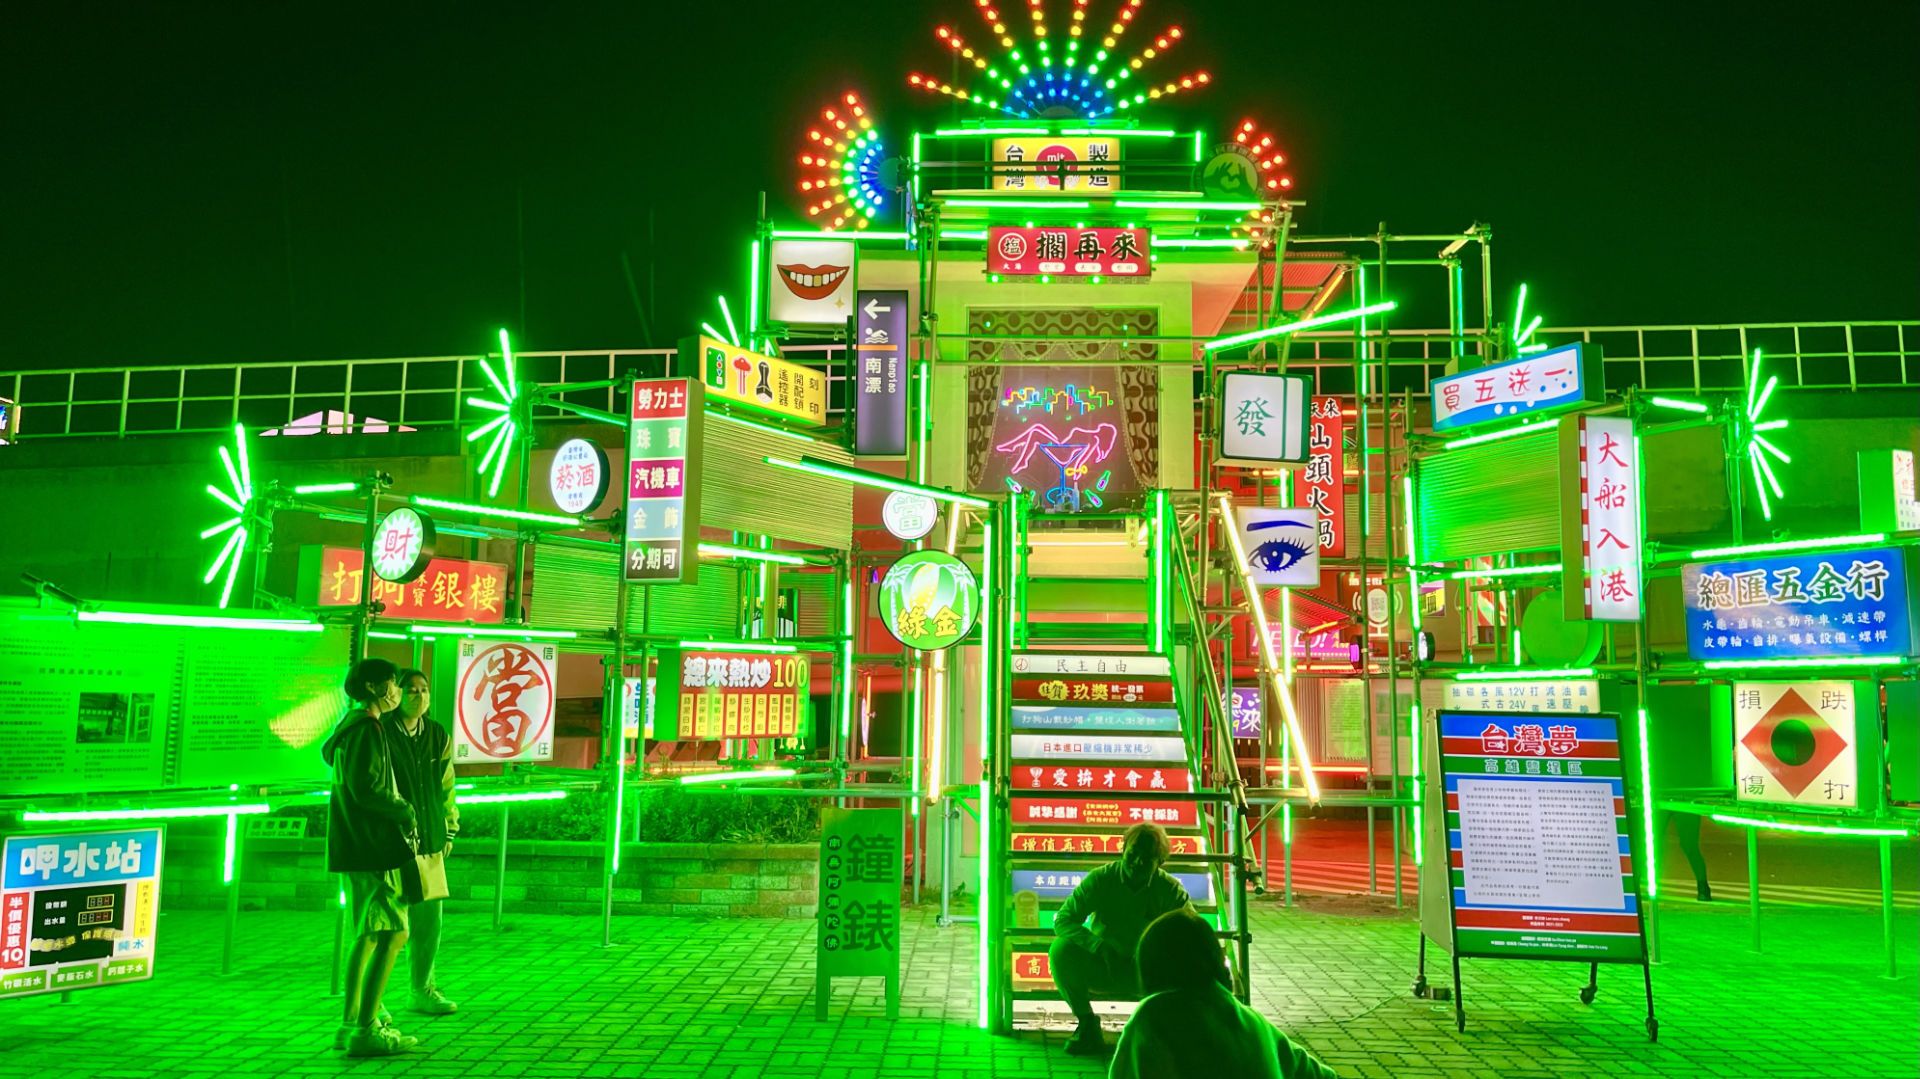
(929, 600)
(402, 545)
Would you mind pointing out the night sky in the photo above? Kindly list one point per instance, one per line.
(193, 184)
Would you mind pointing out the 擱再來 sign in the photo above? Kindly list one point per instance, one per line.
(402, 545)
(1055, 163)
(1103, 779)
(1142, 666)
(1103, 812)
(1247, 710)
(1030, 717)
(505, 692)
(1281, 545)
(811, 282)
(880, 387)
(665, 421)
(1548, 696)
(712, 695)
(78, 909)
(1794, 742)
(578, 476)
(909, 516)
(448, 590)
(1265, 420)
(1058, 251)
(1532, 385)
(1095, 843)
(1850, 602)
(1540, 851)
(769, 384)
(1600, 519)
(858, 921)
(1887, 499)
(929, 600)
(1098, 747)
(1323, 483)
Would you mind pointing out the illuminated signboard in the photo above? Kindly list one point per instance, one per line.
(750, 380)
(1104, 812)
(1060, 883)
(811, 282)
(1600, 519)
(909, 516)
(1099, 747)
(1887, 499)
(504, 701)
(1091, 691)
(1090, 843)
(1102, 779)
(1040, 718)
(1549, 696)
(929, 600)
(1794, 742)
(1247, 710)
(1033, 163)
(1144, 666)
(402, 545)
(1529, 386)
(1817, 604)
(78, 910)
(663, 494)
(1059, 251)
(1265, 419)
(1323, 484)
(880, 387)
(715, 694)
(578, 477)
(1280, 544)
(447, 590)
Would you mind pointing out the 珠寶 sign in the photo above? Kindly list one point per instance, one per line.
(1058, 251)
(1600, 519)
(1850, 602)
(663, 493)
(1323, 483)
(505, 692)
(1529, 386)
(1264, 419)
(78, 909)
(880, 390)
(713, 695)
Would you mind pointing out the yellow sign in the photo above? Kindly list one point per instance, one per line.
(1033, 163)
(765, 383)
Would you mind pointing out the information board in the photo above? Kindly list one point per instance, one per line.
(1540, 853)
(858, 922)
(78, 909)
(713, 695)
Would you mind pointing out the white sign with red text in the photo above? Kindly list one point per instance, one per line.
(503, 710)
(1601, 519)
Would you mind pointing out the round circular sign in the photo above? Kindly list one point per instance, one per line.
(1013, 246)
(1548, 636)
(929, 600)
(1377, 606)
(402, 545)
(909, 516)
(1230, 173)
(578, 476)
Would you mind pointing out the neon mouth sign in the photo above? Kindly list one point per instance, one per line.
(812, 282)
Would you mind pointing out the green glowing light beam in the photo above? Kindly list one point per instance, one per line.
(1304, 324)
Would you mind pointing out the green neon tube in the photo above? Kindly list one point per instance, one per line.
(1197, 154)
(1646, 808)
(1770, 425)
(926, 419)
(741, 646)
(230, 854)
(506, 364)
(233, 474)
(989, 895)
(1507, 571)
(713, 331)
(962, 234)
(1021, 204)
(500, 465)
(1524, 673)
(225, 498)
(487, 369)
(1683, 406)
(1810, 829)
(1419, 785)
(1505, 432)
(753, 294)
(1773, 381)
(780, 558)
(1295, 327)
(1124, 132)
(733, 331)
(846, 666)
(1184, 204)
(511, 796)
(219, 528)
(491, 406)
(1281, 688)
(1413, 572)
(325, 488)
(198, 621)
(383, 635)
(976, 132)
(1798, 664)
(836, 234)
(239, 536)
(246, 473)
(495, 511)
(1862, 540)
(885, 483)
(429, 630)
(233, 567)
(731, 777)
(170, 813)
(1204, 242)
(619, 798)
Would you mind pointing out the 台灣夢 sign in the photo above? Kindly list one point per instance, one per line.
(1058, 251)
(1529, 386)
(1820, 603)
(78, 909)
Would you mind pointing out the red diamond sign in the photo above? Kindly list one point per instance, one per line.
(1795, 743)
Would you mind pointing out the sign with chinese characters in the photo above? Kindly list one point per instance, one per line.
(812, 282)
(714, 695)
(1600, 519)
(636, 708)
(1821, 603)
(1326, 646)
(1143, 666)
(1034, 163)
(777, 387)
(1323, 485)
(1057, 884)
(1264, 419)
(929, 600)
(909, 516)
(578, 476)
(1039, 718)
(1529, 386)
(1887, 499)
(504, 701)
(1103, 779)
(1091, 691)
(1092, 843)
(1540, 851)
(1059, 251)
(1247, 709)
(1573, 696)
(663, 492)
(1104, 813)
(1280, 544)
(858, 923)
(1794, 742)
(448, 590)
(402, 545)
(1103, 747)
(880, 388)
(78, 910)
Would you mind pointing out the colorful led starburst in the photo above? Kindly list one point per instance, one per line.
(238, 498)
(840, 166)
(502, 426)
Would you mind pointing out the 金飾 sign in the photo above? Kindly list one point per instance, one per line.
(1104, 779)
(880, 388)
(1794, 742)
(578, 476)
(78, 910)
(1281, 545)
(858, 927)
(1529, 386)
(402, 545)
(663, 493)
(812, 282)
(929, 600)
(1034, 163)
(1323, 484)
(1600, 519)
(504, 701)
(1264, 419)
(1822, 603)
(1058, 251)
(716, 695)
(750, 380)
(448, 590)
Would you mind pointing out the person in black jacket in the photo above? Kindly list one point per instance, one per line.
(371, 834)
(423, 764)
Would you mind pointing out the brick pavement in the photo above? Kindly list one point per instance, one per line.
(684, 998)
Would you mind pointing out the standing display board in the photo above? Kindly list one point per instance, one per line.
(504, 702)
(709, 695)
(78, 909)
(858, 933)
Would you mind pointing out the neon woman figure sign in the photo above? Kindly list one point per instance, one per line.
(1072, 454)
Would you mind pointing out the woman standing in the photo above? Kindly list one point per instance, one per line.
(423, 762)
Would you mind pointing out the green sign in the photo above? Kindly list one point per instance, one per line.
(861, 868)
(929, 600)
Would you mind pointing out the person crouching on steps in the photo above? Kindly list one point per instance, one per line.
(1121, 898)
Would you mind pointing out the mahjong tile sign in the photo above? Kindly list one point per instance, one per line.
(78, 909)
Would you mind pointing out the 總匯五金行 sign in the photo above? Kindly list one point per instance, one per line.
(734, 694)
(1848, 602)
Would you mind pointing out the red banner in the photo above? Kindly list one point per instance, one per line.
(1323, 485)
(1058, 690)
(1103, 779)
(451, 589)
(1069, 252)
(1032, 970)
(1085, 843)
(1104, 813)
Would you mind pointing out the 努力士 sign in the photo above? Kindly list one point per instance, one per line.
(1811, 605)
(665, 421)
(78, 909)
(1544, 382)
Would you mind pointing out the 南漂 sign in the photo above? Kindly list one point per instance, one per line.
(1058, 251)
(1529, 386)
(1264, 420)
(78, 909)
(880, 388)
(504, 701)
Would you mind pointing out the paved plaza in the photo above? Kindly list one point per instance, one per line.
(685, 998)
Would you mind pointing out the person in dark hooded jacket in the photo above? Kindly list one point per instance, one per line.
(371, 834)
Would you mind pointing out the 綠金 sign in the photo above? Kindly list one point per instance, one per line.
(1821, 603)
(1244, 705)
(663, 492)
(929, 600)
(1105, 779)
(578, 476)
(1055, 250)
(880, 388)
(1529, 386)
(713, 695)
(1035, 162)
(504, 701)
(811, 282)
(1540, 854)
(1600, 519)
(78, 909)
(448, 590)
(858, 925)
(1323, 484)
(1794, 742)
(402, 545)
(1264, 420)
(750, 380)
(1280, 544)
